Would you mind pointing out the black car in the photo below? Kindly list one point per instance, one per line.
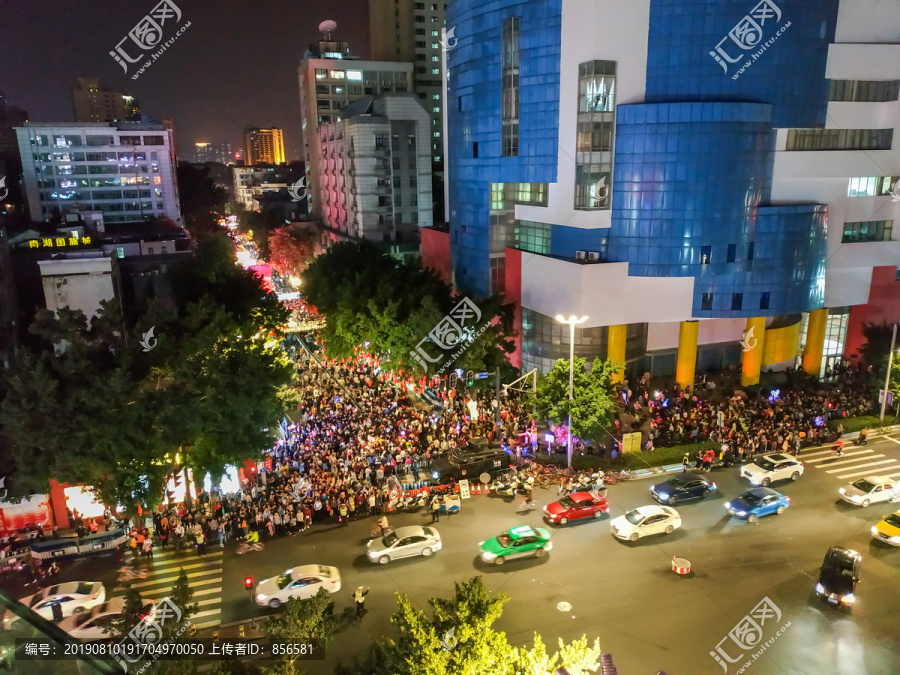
(469, 464)
(838, 576)
(681, 487)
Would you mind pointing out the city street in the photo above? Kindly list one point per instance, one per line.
(626, 594)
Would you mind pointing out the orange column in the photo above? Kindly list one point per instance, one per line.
(686, 367)
(615, 349)
(752, 343)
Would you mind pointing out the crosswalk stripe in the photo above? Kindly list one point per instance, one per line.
(174, 563)
(866, 472)
(206, 582)
(163, 554)
(860, 465)
(831, 454)
(891, 439)
(161, 592)
(855, 460)
(174, 577)
(207, 624)
(208, 612)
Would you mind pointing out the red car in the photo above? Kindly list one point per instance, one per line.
(576, 505)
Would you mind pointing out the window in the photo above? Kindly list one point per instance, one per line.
(420, 19)
(706, 302)
(839, 139)
(732, 252)
(420, 44)
(764, 301)
(510, 83)
(475, 150)
(873, 186)
(420, 31)
(705, 255)
(413, 182)
(337, 74)
(737, 299)
(434, 33)
(420, 57)
(751, 250)
(435, 71)
(594, 134)
(381, 142)
(354, 75)
(869, 230)
(321, 73)
(868, 91)
(154, 140)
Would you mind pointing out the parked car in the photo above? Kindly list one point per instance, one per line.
(868, 490)
(772, 467)
(758, 502)
(888, 530)
(681, 487)
(73, 597)
(300, 582)
(100, 622)
(518, 542)
(469, 463)
(404, 542)
(644, 521)
(838, 576)
(576, 505)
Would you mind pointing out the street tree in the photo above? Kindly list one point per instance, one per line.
(593, 396)
(368, 297)
(291, 249)
(202, 201)
(459, 639)
(300, 622)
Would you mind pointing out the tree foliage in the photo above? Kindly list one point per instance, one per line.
(593, 396)
(303, 620)
(291, 249)
(89, 404)
(202, 201)
(459, 639)
(367, 296)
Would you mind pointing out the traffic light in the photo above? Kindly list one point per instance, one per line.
(470, 378)
(248, 583)
(453, 380)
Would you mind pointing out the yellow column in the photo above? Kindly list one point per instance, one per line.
(752, 343)
(615, 349)
(687, 353)
(815, 341)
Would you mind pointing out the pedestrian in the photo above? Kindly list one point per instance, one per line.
(201, 544)
(359, 596)
(148, 548)
(685, 462)
(342, 510)
(436, 510)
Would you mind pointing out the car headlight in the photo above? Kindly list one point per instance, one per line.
(662, 495)
(848, 599)
(894, 540)
(712, 486)
(842, 491)
(434, 474)
(489, 556)
(742, 513)
(875, 532)
(820, 589)
(261, 596)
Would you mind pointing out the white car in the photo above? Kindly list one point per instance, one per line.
(404, 542)
(300, 582)
(73, 597)
(870, 489)
(100, 622)
(644, 521)
(772, 467)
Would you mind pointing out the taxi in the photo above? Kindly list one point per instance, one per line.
(888, 530)
(519, 542)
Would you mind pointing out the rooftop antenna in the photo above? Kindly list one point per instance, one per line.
(327, 27)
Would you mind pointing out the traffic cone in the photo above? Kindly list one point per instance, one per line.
(476, 488)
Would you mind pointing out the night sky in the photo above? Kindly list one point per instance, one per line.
(235, 65)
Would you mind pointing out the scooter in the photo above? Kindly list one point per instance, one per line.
(420, 500)
(244, 547)
(128, 574)
(861, 440)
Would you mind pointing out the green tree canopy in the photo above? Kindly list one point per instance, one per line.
(90, 404)
(459, 639)
(202, 201)
(367, 296)
(592, 407)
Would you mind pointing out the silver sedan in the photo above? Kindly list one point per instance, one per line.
(404, 542)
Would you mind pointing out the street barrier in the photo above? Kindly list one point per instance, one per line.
(64, 548)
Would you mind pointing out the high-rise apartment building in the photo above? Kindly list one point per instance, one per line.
(411, 32)
(94, 103)
(213, 152)
(711, 182)
(263, 146)
(126, 171)
(375, 171)
(330, 80)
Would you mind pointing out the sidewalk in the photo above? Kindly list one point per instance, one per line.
(641, 474)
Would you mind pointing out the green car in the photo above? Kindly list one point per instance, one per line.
(516, 543)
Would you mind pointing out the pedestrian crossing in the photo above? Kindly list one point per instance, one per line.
(204, 575)
(853, 464)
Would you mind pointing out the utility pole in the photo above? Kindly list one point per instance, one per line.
(887, 377)
(497, 394)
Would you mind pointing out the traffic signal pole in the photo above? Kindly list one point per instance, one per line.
(497, 394)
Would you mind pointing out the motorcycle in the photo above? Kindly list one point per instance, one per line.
(244, 547)
(862, 440)
(405, 501)
(128, 574)
(420, 500)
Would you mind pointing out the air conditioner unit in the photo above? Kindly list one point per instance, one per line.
(593, 256)
(580, 255)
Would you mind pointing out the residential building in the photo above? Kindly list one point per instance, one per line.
(330, 80)
(375, 170)
(78, 281)
(124, 170)
(263, 146)
(703, 201)
(251, 182)
(220, 153)
(412, 32)
(94, 103)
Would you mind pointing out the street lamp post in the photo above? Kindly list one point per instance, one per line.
(887, 377)
(572, 321)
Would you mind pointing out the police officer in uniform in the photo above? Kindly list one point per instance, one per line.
(359, 597)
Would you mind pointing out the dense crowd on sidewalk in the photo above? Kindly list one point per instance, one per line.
(337, 461)
(785, 420)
